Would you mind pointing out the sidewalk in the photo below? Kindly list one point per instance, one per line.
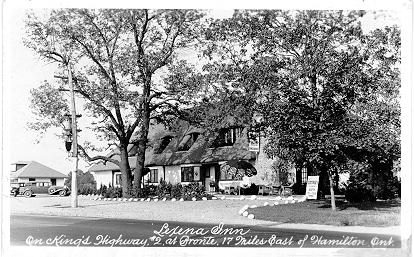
(212, 211)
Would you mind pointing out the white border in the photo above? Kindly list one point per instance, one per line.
(403, 7)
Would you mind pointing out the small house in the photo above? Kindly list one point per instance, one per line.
(195, 155)
(34, 172)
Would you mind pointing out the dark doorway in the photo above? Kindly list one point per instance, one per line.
(53, 181)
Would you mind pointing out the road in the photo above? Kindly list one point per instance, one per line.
(39, 230)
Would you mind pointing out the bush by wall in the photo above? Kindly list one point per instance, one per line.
(176, 190)
(86, 190)
(102, 190)
(163, 189)
(113, 192)
(191, 190)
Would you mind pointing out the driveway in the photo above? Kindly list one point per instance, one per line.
(211, 211)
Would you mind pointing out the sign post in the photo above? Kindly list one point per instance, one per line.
(312, 187)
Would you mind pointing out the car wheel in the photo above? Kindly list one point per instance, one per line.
(62, 193)
(28, 193)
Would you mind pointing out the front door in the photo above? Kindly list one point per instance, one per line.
(53, 181)
(208, 172)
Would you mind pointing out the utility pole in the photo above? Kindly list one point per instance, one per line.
(74, 188)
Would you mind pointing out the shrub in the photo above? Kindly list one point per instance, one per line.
(358, 193)
(388, 189)
(298, 189)
(86, 183)
(163, 189)
(113, 192)
(86, 190)
(102, 189)
(368, 182)
(191, 190)
(252, 190)
(176, 190)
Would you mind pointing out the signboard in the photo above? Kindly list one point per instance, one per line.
(312, 187)
(254, 145)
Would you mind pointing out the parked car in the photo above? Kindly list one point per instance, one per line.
(33, 188)
(20, 189)
(61, 190)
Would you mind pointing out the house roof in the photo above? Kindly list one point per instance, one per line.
(21, 162)
(199, 153)
(34, 169)
(101, 166)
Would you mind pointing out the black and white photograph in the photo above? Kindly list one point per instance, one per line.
(180, 130)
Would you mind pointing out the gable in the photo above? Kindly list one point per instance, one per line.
(37, 170)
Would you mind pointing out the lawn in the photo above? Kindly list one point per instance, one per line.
(381, 213)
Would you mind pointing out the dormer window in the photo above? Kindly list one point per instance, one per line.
(188, 141)
(165, 141)
(227, 136)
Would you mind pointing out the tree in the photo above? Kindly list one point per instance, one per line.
(86, 183)
(117, 56)
(319, 81)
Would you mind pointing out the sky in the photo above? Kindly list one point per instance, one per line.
(23, 70)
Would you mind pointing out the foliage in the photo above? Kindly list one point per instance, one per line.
(282, 169)
(49, 106)
(252, 190)
(176, 190)
(113, 192)
(163, 189)
(102, 190)
(86, 183)
(359, 193)
(328, 91)
(366, 183)
(191, 190)
(116, 55)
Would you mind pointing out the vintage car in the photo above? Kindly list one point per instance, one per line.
(60, 190)
(31, 188)
(20, 189)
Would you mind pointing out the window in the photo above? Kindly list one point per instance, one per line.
(153, 176)
(227, 137)
(188, 141)
(227, 176)
(32, 179)
(207, 172)
(165, 141)
(118, 179)
(304, 175)
(187, 174)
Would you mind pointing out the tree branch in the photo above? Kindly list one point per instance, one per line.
(98, 157)
(94, 59)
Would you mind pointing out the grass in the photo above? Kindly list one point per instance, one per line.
(381, 213)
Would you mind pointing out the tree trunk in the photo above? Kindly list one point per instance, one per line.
(143, 138)
(140, 163)
(331, 185)
(125, 172)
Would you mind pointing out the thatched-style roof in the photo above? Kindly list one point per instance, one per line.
(202, 151)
